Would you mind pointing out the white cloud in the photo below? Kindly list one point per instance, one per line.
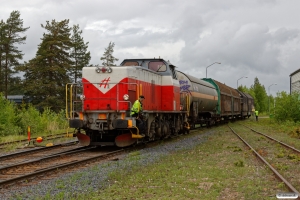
(257, 38)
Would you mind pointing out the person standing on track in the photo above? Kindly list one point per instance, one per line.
(136, 111)
(256, 115)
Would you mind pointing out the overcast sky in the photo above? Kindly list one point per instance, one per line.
(250, 38)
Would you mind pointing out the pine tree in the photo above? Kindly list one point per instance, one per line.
(2, 42)
(15, 86)
(108, 58)
(47, 73)
(11, 39)
(260, 96)
(79, 53)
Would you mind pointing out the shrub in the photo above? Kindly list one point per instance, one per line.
(14, 120)
(8, 119)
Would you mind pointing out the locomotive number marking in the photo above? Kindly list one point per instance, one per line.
(104, 82)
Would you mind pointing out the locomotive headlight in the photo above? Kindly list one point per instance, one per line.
(109, 70)
(103, 69)
(98, 70)
(126, 97)
(82, 97)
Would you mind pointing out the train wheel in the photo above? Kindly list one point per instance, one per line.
(192, 126)
(186, 128)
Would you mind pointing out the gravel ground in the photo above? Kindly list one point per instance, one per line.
(94, 178)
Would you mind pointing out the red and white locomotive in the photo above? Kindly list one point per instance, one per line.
(174, 102)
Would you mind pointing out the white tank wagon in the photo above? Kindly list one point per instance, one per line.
(199, 97)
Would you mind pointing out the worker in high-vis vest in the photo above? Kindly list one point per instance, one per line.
(136, 112)
(256, 115)
(137, 107)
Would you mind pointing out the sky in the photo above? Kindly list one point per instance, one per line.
(250, 38)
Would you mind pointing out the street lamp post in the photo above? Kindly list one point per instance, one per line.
(269, 94)
(211, 65)
(237, 82)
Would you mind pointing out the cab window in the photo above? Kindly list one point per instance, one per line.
(157, 66)
(130, 63)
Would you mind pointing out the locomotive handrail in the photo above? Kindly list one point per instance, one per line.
(67, 100)
(188, 104)
(70, 87)
(71, 100)
(126, 101)
(67, 112)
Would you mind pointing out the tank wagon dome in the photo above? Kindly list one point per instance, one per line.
(185, 79)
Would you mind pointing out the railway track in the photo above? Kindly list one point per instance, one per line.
(23, 172)
(27, 155)
(48, 137)
(32, 165)
(262, 148)
(271, 138)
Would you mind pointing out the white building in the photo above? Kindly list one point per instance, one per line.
(295, 81)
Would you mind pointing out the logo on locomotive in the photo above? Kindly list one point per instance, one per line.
(104, 82)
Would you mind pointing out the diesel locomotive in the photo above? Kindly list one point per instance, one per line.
(175, 102)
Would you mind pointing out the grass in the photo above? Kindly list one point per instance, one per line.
(284, 160)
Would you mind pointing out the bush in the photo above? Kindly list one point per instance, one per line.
(14, 120)
(8, 119)
(287, 107)
(46, 122)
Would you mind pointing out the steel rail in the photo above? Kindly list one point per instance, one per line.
(56, 167)
(270, 166)
(41, 149)
(77, 150)
(60, 135)
(286, 145)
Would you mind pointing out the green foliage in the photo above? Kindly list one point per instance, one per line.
(8, 120)
(15, 121)
(295, 133)
(15, 86)
(258, 92)
(239, 163)
(108, 58)
(292, 157)
(287, 107)
(2, 57)
(32, 117)
(79, 54)
(45, 122)
(10, 40)
(47, 74)
(284, 107)
(243, 89)
(260, 96)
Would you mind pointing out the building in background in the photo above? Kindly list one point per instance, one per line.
(295, 81)
(18, 99)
